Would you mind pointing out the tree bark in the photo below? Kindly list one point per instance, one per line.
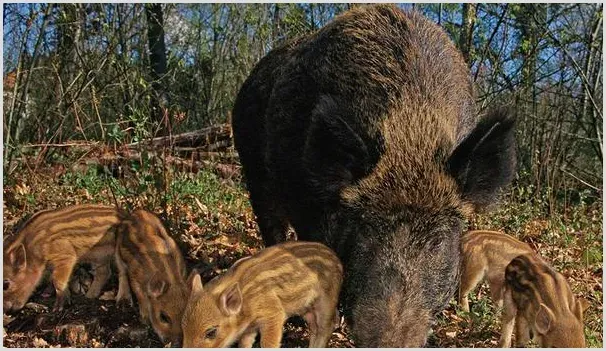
(276, 25)
(469, 20)
(24, 91)
(593, 48)
(157, 62)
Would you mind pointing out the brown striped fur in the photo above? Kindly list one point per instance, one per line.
(149, 259)
(259, 293)
(59, 239)
(539, 301)
(485, 256)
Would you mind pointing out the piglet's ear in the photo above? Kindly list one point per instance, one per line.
(194, 282)
(484, 161)
(157, 287)
(231, 300)
(544, 319)
(580, 307)
(18, 258)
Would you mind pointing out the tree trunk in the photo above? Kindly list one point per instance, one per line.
(276, 25)
(21, 112)
(157, 62)
(593, 48)
(69, 36)
(469, 19)
(528, 19)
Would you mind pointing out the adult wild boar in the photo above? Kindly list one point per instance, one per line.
(363, 136)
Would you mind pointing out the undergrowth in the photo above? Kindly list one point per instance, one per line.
(212, 220)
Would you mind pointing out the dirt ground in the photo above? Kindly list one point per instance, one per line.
(215, 227)
(100, 323)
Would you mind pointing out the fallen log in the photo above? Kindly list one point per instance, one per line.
(213, 137)
(224, 170)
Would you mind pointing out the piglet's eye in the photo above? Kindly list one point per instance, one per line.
(210, 333)
(164, 318)
(6, 284)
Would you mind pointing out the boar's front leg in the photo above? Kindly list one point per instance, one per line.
(62, 271)
(272, 222)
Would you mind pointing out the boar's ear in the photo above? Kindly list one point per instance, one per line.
(334, 153)
(17, 257)
(156, 286)
(231, 300)
(543, 319)
(484, 161)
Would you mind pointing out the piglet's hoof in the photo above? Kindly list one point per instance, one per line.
(61, 301)
(122, 305)
(57, 308)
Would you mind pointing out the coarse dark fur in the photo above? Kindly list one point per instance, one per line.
(363, 136)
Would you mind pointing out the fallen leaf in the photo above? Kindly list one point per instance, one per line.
(39, 342)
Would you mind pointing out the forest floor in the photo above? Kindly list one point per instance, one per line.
(211, 219)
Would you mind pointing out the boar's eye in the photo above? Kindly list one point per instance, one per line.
(6, 284)
(164, 318)
(210, 333)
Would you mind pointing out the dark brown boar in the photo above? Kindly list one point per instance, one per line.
(363, 136)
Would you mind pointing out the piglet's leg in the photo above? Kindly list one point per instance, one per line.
(508, 319)
(247, 340)
(144, 304)
(522, 331)
(496, 289)
(124, 292)
(102, 272)
(470, 278)
(62, 270)
(271, 331)
(312, 324)
(323, 321)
